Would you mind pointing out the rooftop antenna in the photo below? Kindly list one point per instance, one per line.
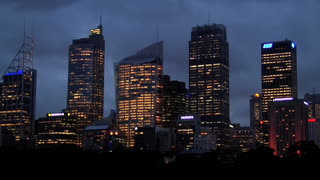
(100, 20)
(209, 18)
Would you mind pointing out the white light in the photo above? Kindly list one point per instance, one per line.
(306, 103)
(56, 114)
(187, 117)
(283, 99)
(231, 126)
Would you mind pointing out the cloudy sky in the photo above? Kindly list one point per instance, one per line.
(131, 25)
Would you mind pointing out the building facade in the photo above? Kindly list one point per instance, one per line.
(86, 79)
(18, 95)
(187, 128)
(288, 124)
(279, 76)
(314, 131)
(256, 116)
(209, 78)
(55, 130)
(175, 99)
(243, 138)
(314, 105)
(139, 90)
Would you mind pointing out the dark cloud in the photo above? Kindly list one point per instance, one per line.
(131, 25)
(38, 5)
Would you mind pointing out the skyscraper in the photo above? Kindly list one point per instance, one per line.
(86, 79)
(209, 78)
(175, 100)
(256, 116)
(288, 123)
(18, 94)
(279, 76)
(138, 90)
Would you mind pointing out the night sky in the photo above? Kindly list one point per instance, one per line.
(131, 25)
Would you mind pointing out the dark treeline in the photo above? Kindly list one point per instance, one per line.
(303, 159)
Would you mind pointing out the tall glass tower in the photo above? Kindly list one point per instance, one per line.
(86, 79)
(279, 76)
(138, 90)
(18, 95)
(209, 78)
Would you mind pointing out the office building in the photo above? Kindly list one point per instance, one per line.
(18, 95)
(86, 80)
(138, 90)
(154, 139)
(209, 79)
(187, 128)
(314, 131)
(279, 76)
(256, 116)
(205, 140)
(175, 99)
(56, 130)
(288, 124)
(243, 138)
(314, 105)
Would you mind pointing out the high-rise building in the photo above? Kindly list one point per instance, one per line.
(209, 78)
(288, 123)
(279, 76)
(256, 116)
(86, 79)
(18, 95)
(175, 99)
(138, 90)
(55, 130)
(314, 105)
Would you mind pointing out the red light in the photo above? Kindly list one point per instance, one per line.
(312, 120)
(299, 153)
(261, 122)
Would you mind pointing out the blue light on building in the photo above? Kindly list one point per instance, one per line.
(14, 73)
(293, 45)
(267, 45)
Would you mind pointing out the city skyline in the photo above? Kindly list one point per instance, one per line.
(244, 64)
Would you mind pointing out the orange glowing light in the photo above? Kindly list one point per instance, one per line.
(257, 95)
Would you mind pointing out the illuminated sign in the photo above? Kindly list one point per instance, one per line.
(267, 45)
(283, 99)
(293, 45)
(14, 73)
(306, 103)
(312, 120)
(187, 117)
(56, 114)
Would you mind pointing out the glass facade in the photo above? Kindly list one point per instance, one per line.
(138, 90)
(86, 79)
(17, 103)
(209, 78)
(279, 76)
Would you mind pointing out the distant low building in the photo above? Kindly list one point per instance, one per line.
(243, 138)
(205, 139)
(314, 131)
(56, 129)
(154, 139)
(103, 135)
(186, 130)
